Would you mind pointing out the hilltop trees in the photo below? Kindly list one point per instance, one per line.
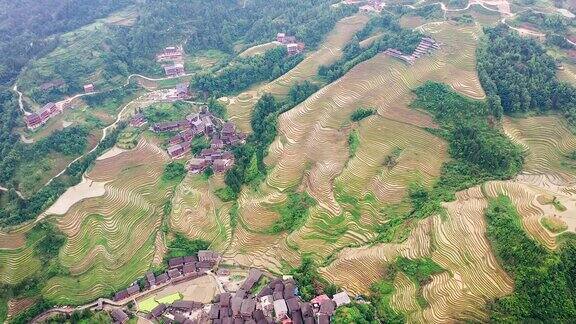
(518, 76)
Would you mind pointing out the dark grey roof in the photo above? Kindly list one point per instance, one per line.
(306, 309)
(187, 305)
(248, 307)
(296, 317)
(327, 307)
(214, 311)
(118, 315)
(158, 310)
(293, 304)
(225, 299)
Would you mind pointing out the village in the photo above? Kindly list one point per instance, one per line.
(258, 297)
(221, 135)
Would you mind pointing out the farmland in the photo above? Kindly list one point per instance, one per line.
(113, 236)
(341, 182)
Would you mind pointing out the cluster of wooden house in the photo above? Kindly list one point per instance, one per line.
(373, 6)
(179, 269)
(49, 110)
(222, 135)
(292, 45)
(426, 45)
(275, 302)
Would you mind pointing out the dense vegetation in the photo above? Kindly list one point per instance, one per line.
(85, 316)
(244, 72)
(518, 76)
(28, 24)
(394, 36)
(479, 151)
(183, 246)
(554, 23)
(293, 212)
(362, 113)
(544, 280)
(198, 144)
(476, 144)
(71, 141)
(174, 171)
(225, 25)
(249, 158)
(310, 283)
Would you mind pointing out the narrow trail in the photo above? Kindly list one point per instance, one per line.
(17, 192)
(20, 103)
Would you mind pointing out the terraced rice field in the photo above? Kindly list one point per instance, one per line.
(568, 74)
(460, 293)
(112, 238)
(548, 142)
(547, 186)
(198, 213)
(16, 255)
(311, 154)
(240, 107)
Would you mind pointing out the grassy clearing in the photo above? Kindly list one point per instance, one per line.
(554, 225)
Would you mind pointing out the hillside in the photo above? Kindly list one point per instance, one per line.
(420, 157)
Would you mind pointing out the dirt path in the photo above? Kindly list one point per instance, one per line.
(20, 103)
(155, 79)
(17, 192)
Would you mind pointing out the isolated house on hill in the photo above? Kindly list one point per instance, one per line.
(88, 88)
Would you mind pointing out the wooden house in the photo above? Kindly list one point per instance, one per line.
(89, 88)
(175, 262)
(178, 150)
(119, 316)
(221, 165)
(151, 279)
(182, 91)
(174, 70)
(132, 290)
(197, 165)
(248, 307)
(157, 312)
(33, 121)
(168, 126)
(122, 294)
(280, 37)
(138, 120)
